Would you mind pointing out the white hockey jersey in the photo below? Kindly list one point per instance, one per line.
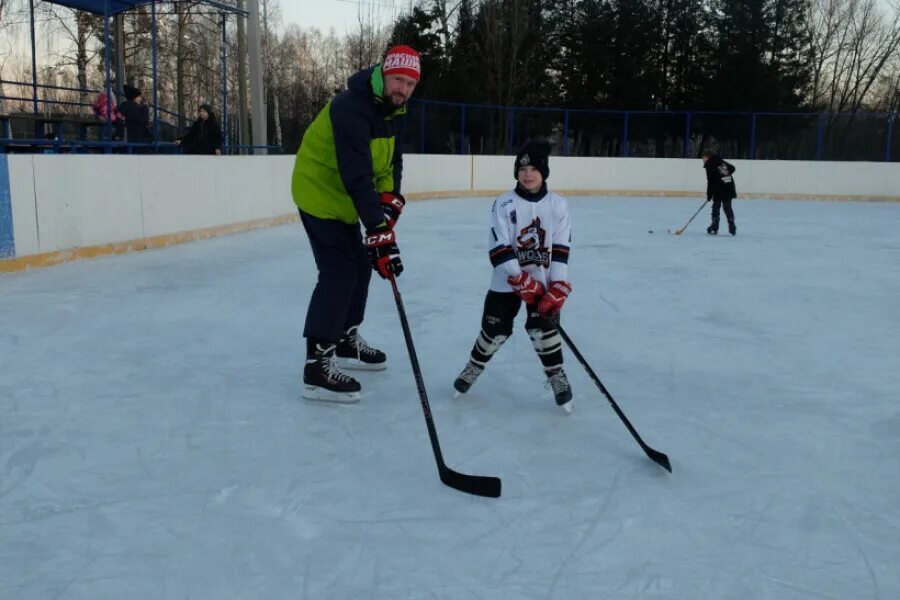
(532, 236)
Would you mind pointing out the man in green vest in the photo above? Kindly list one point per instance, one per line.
(348, 170)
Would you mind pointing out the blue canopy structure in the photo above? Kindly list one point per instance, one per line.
(113, 7)
(100, 7)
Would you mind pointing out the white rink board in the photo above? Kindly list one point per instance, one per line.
(68, 202)
(188, 193)
(81, 202)
(437, 173)
(24, 208)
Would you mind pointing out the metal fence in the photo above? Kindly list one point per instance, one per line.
(57, 125)
(455, 128)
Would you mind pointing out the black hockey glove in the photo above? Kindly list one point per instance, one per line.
(381, 246)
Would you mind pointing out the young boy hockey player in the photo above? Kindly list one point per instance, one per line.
(720, 189)
(529, 248)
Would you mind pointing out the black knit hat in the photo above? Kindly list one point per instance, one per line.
(131, 92)
(535, 153)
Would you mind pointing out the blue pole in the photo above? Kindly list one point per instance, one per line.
(7, 233)
(38, 130)
(625, 137)
(422, 129)
(687, 135)
(462, 130)
(106, 68)
(890, 137)
(820, 137)
(566, 133)
(753, 136)
(153, 45)
(224, 124)
(511, 130)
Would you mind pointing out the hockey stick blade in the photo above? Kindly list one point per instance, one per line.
(659, 458)
(680, 231)
(654, 455)
(477, 485)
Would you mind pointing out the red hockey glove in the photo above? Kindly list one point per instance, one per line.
(381, 246)
(393, 205)
(553, 300)
(525, 286)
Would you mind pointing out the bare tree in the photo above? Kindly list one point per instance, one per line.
(271, 72)
(365, 46)
(887, 97)
(8, 33)
(443, 12)
(79, 29)
(510, 46)
(182, 25)
(853, 42)
(827, 19)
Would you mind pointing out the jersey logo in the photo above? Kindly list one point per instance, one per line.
(531, 248)
(724, 174)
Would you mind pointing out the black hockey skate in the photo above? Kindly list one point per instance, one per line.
(354, 353)
(732, 228)
(324, 381)
(468, 376)
(562, 391)
(712, 229)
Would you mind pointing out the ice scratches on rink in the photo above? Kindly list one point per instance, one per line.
(153, 443)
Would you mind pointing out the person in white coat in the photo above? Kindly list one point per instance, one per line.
(530, 240)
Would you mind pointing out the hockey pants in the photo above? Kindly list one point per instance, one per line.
(500, 310)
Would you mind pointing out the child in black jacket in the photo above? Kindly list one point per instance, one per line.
(720, 189)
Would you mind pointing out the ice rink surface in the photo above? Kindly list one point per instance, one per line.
(154, 445)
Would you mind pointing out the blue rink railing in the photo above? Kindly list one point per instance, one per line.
(437, 127)
(459, 128)
(70, 126)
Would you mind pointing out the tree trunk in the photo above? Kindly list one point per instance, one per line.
(180, 59)
(273, 79)
(244, 121)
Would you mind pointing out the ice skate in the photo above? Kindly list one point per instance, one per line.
(468, 376)
(712, 229)
(323, 380)
(562, 391)
(732, 228)
(354, 353)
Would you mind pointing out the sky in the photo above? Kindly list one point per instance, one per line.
(342, 15)
(154, 445)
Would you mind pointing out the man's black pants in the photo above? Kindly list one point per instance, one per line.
(339, 299)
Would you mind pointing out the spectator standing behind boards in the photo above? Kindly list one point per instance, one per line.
(203, 137)
(137, 117)
(102, 109)
(720, 189)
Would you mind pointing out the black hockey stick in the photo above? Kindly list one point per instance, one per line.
(471, 484)
(654, 455)
(680, 231)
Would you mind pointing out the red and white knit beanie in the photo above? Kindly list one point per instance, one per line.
(401, 60)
